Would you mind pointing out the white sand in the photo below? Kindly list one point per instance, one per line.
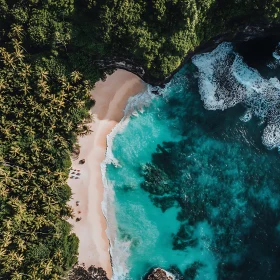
(111, 98)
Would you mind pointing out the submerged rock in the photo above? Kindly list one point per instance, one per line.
(160, 274)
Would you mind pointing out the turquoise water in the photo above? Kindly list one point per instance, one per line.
(197, 191)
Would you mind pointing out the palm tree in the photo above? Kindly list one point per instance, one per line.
(80, 103)
(3, 190)
(17, 258)
(44, 74)
(58, 256)
(9, 60)
(19, 114)
(26, 88)
(17, 276)
(14, 151)
(68, 87)
(44, 89)
(19, 172)
(60, 103)
(21, 244)
(62, 80)
(40, 221)
(31, 173)
(23, 159)
(25, 71)
(2, 84)
(16, 31)
(2, 253)
(46, 267)
(29, 130)
(6, 239)
(44, 112)
(6, 132)
(18, 49)
(76, 76)
(33, 272)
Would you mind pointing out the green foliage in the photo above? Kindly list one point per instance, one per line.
(37, 252)
(159, 33)
(92, 273)
(156, 34)
(48, 49)
(36, 143)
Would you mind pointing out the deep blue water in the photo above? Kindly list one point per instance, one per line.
(197, 189)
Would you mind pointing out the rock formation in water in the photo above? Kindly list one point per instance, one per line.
(160, 274)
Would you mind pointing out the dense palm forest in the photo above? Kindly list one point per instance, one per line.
(51, 53)
(41, 114)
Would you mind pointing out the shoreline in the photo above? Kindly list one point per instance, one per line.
(111, 98)
(119, 249)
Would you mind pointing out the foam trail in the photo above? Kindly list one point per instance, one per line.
(276, 53)
(247, 116)
(276, 58)
(225, 80)
(119, 250)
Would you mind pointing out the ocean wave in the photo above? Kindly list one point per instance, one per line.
(119, 249)
(276, 53)
(226, 80)
(275, 62)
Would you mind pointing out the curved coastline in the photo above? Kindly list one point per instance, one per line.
(111, 97)
(243, 34)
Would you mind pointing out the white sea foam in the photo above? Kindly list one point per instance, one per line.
(119, 249)
(247, 116)
(225, 80)
(169, 274)
(276, 58)
(276, 53)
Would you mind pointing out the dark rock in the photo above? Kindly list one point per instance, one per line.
(159, 274)
(82, 161)
(155, 91)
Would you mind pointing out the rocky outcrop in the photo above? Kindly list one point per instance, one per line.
(160, 274)
(244, 33)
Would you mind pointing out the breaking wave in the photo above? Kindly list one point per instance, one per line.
(276, 53)
(226, 80)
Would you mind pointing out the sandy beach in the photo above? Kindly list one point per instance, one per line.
(111, 98)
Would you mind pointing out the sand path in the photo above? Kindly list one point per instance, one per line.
(111, 98)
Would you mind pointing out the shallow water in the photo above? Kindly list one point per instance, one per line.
(196, 190)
